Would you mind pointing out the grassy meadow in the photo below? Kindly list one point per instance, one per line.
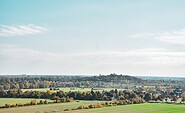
(137, 108)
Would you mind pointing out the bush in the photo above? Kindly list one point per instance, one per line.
(50, 102)
(19, 105)
(13, 105)
(103, 104)
(98, 106)
(7, 105)
(41, 102)
(57, 101)
(81, 107)
(45, 102)
(63, 100)
(90, 106)
(86, 107)
(33, 102)
(66, 109)
(26, 104)
(71, 99)
(74, 109)
(106, 104)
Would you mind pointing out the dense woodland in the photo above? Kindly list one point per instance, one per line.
(29, 82)
(101, 81)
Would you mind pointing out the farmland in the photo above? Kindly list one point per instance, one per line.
(49, 108)
(89, 94)
(138, 108)
(134, 108)
(4, 101)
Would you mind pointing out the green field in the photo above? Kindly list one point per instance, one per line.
(4, 101)
(137, 108)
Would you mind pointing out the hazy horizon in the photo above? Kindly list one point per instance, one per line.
(170, 76)
(74, 37)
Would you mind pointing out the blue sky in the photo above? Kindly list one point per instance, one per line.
(136, 37)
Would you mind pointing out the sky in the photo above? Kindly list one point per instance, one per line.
(87, 37)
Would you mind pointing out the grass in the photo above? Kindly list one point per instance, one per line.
(137, 108)
(59, 107)
(4, 101)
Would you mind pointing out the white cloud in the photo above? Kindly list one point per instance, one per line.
(20, 30)
(175, 37)
(152, 61)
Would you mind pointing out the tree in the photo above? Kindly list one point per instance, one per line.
(41, 102)
(45, 102)
(166, 99)
(148, 97)
(174, 99)
(183, 98)
(161, 97)
(154, 97)
(33, 102)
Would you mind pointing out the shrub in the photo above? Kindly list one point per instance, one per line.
(66, 109)
(115, 103)
(45, 102)
(103, 104)
(74, 109)
(57, 101)
(13, 105)
(50, 102)
(63, 100)
(98, 106)
(122, 102)
(41, 102)
(19, 105)
(86, 107)
(80, 107)
(7, 105)
(90, 106)
(33, 102)
(110, 104)
(106, 104)
(71, 99)
(25, 104)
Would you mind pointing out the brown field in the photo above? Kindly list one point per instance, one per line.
(58, 107)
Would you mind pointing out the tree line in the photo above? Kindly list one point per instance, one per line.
(77, 95)
(103, 81)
